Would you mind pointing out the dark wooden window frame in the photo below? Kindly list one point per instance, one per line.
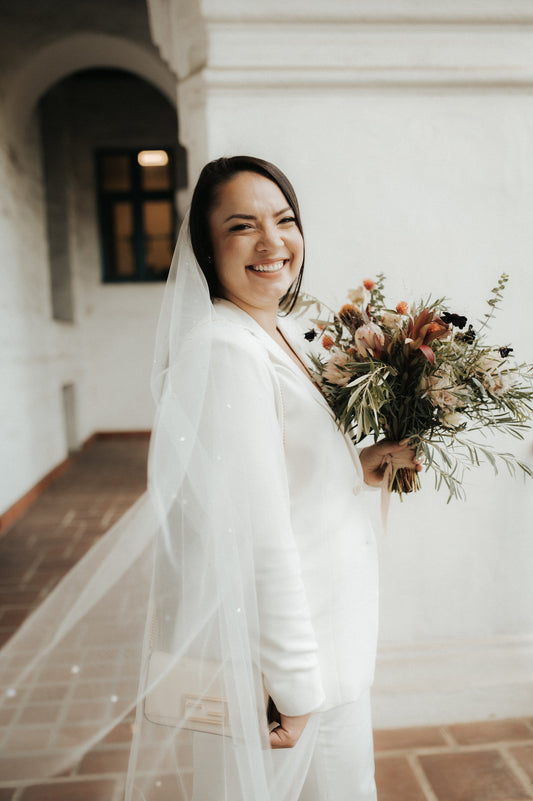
(136, 196)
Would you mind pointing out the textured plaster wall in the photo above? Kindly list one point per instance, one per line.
(435, 189)
(34, 355)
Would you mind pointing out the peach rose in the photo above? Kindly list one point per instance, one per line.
(391, 320)
(333, 371)
(442, 392)
(496, 378)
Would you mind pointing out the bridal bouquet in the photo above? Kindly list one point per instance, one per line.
(419, 372)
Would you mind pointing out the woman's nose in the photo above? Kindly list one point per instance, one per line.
(270, 237)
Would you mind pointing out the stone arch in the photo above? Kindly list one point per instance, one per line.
(78, 52)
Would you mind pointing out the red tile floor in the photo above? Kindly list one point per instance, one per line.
(487, 761)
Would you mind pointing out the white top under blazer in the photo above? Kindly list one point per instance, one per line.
(318, 636)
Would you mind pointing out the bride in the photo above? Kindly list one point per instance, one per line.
(236, 604)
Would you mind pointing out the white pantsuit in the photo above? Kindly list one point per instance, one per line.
(320, 656)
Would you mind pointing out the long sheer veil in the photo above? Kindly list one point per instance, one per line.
(176, 574)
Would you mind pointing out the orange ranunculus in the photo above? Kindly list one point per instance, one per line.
(327, 341)
(369, 284)
(423, 330)
(402, 307)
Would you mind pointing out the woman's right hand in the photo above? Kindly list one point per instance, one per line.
(287, 734)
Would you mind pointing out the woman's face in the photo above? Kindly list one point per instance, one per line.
(258, 248)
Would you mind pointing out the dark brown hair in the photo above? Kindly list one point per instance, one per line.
(213, 176)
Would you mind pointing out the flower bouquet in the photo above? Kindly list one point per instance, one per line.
(418, 372)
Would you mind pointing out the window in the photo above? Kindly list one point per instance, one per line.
(136, 190)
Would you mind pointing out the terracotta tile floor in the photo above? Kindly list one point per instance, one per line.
(488, 761)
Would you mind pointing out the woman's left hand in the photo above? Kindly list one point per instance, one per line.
(376, 458)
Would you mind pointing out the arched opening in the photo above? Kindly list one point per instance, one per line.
(94, 124)
(110, 221)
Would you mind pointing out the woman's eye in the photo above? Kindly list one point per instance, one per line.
(239, 227)
(288, 220)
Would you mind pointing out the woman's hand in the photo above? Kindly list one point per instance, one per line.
(376, 458)
(287, 734)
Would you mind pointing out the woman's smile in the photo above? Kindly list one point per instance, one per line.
(268, 268)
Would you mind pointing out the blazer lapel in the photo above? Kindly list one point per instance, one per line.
(230, 311)
(291, 335)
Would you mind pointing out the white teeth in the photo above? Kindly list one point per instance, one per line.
(267, 268)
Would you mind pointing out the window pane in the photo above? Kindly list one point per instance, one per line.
(158, 226)
(155, 178)
(116, 174)
(123, 239)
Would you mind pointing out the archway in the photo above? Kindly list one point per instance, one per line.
(73, 54)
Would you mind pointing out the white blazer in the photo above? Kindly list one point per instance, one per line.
(321, 653)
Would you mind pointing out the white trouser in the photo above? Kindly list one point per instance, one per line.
(341, 766)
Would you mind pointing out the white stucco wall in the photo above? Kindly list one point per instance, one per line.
(410, 155)
(435, 190)
(34, 354)
(105, 353)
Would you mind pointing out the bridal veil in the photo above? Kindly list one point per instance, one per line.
(177, 576)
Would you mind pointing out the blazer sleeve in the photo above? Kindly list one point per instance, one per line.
(250, 405)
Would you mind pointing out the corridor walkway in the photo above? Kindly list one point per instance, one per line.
(491, 761)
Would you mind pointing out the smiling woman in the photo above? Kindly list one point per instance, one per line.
(248, 573)
(293, 538)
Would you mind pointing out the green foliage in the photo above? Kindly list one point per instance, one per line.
(378, 294)
(496, 297)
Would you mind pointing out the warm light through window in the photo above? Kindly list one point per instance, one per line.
(153, 158)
